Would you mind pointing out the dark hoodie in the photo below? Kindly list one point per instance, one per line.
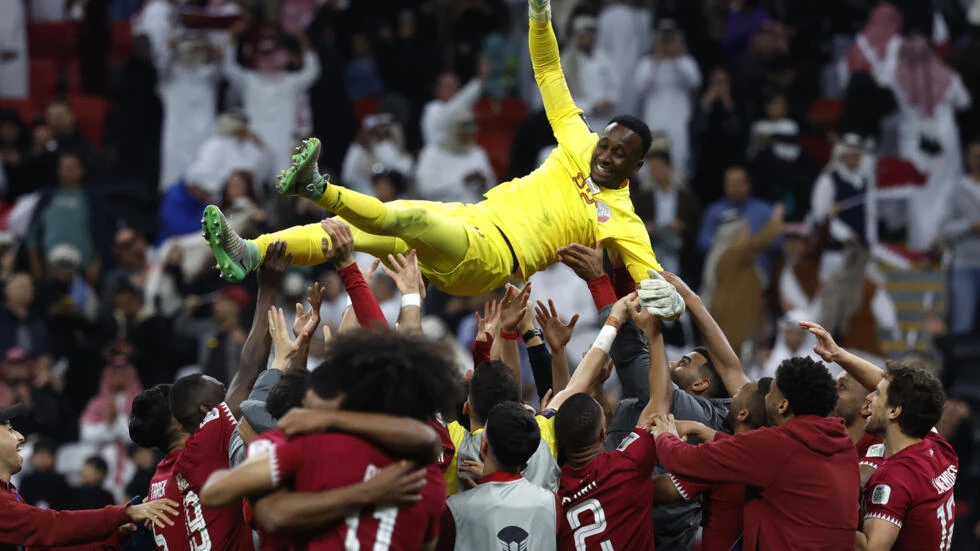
(802, 476)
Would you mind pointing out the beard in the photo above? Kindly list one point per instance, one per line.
(875, 427)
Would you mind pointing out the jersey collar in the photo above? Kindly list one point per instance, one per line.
(500, 477)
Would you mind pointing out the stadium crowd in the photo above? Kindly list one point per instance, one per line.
(803, 155)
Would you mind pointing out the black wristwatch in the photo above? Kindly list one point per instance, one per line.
(531, 334)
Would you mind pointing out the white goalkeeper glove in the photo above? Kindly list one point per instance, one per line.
(660, 298)
(539, 11)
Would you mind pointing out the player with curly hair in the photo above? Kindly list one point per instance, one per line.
(804, 465)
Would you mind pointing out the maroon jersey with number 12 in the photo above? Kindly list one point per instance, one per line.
(163, 485)
(206, 451)
(317, 462)
(608, 502)
(913, 489)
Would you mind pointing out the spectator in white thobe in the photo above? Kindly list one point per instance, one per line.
(156, 21)
(450, 99)
(624, 35)
(272, 95)
(13, 50)
(379, 146)
(665, 83)
(189, 92)
(590, 74)
(458, 170)
(233, 147)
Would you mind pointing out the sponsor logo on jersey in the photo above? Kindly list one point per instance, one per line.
(158, 489)
(603, 212)
(512, 538)
(945, 481)
(881, 494)
(877, 450)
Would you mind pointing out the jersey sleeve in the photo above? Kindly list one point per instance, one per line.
(874, 457)
(571, 130)
(207, 450)
(640, 449)
(890, 494)
(286, 459)
(633, 243)
(546, 423)
(687, 488)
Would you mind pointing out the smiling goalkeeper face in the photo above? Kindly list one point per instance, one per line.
(620, 151)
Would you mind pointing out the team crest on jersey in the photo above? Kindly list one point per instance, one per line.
(512, 538)
(260, 448)
(881, 494)
(181, 483)
(603, 212)
(877, 450)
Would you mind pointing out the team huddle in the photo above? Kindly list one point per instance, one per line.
(386, 446)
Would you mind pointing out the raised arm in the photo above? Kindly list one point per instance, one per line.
(863, 371)
(306, 322)
(339, 250)
(565, 117)
(255, 352)
(405, 273)
(724, 358)
(557, 335)
(512, 310)
(661, 389)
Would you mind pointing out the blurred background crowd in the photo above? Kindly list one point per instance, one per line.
(812, 160)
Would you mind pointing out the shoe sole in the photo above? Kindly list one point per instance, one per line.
(308, 152)
(212, 230)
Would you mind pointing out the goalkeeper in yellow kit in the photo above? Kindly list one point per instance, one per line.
(579, 195)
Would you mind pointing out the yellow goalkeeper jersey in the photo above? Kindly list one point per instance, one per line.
(558, 204)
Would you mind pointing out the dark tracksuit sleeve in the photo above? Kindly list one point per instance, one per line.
(540, 359)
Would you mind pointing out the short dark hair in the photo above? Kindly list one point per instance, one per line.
(150, 420)
(919, 393)
(385, 372)
(492, 383)
(708, 371)
(639, 128)
(187, 395)
(513, 435)
(287, 393)
(807, 385)
(578, 422)
(98, 463)
(757, 404)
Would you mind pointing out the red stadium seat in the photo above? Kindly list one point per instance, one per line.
(365, 107)
(73, 73)
(825, 113)
(500, 114)
(497, 145)
(818, 147)
(23, 107)
(44, 79)
(894, 172)
(122, 42)
(90, 116)
(56, 41)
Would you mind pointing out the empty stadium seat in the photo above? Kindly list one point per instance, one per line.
(365, 107)
(497, 145)
(825, 113)
(500, 114)
(44, 80)
(90, 116)
(55, 41)
(24, 107)
(122, 42)
(894, 172)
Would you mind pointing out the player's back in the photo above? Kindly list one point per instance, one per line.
(914, 490)
(505, 511)
(163, 485)
(318, 462)
(206, 451)
(264, 443)
(610, 499)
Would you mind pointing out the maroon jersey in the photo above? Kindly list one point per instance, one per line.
(163, 485)
(266, 443)
(913, 489)
(722, 507)
(871, 451)
(448, 448)
(224, 528)
(318, 462)
(608, 502)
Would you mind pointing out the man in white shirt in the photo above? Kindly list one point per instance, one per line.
(233, 147)
(13, 50)
(458, 169)
(590, 74)
(379, 146)
(450, 99)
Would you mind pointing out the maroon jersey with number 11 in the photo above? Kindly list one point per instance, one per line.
(913, 489)
(608, 502)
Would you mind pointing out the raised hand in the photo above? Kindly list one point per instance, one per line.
(160, 511)
(678, 283)
(274, 266)
(663, 424)
(647, 322)
(309, 320)
(513, 307)
(620, 309)
(826, 348)
(371, 272)
(283, 347)
(556, 333)
(660, 297)
(339, 249)
(489, 322)
(586, 262)
(397, 484)
(404, 271)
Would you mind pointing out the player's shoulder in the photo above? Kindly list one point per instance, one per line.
(219, 417)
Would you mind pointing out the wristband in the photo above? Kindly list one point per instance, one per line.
(614, 322)
(412, 299)
(531, 334)
(509, 335)
(605, 339)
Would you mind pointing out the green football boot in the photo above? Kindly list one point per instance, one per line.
(302, 178)
(236, 257)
